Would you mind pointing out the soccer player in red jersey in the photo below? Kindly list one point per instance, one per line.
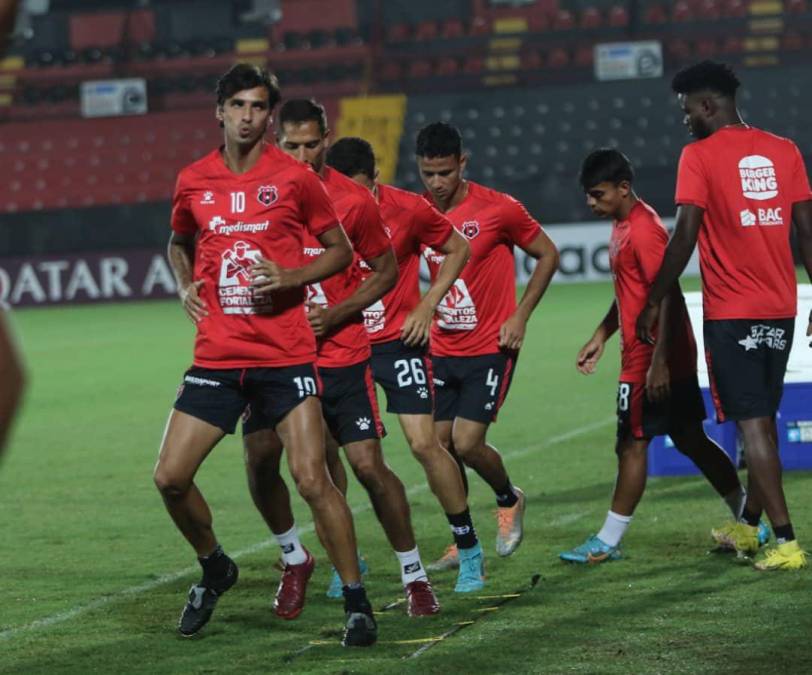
(738, 190)
(399, 326)
(658, 391)
(348, 398)
(239, 217)
(479, 328)
(12, 379)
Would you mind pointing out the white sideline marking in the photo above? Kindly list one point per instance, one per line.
(67, 615)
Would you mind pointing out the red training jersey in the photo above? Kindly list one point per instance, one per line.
(636, 250)
(412, 224)
(264, 212)
(746, 180)
(469, 317)
(361, 218)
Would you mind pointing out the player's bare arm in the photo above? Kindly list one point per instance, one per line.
(802, 217)
(268, 276)
(181, 254)
(12, 380)
(383, 277)
(658, 378)
(677, 255)
(591, 352)
(417, 326)
(542, 248)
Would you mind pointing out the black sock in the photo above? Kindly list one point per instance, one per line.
(463, 529)
(215, 566)
(784, 533)
(752, 519)
(355, 599)
(505, 496)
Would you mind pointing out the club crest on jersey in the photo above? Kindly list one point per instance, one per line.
(470, 229)
(267, 194)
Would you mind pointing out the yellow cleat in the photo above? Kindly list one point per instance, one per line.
(739, 537)
(788, 556)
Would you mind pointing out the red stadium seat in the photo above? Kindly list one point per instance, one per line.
(680, 49)
(584, 56)
(391, 71)
(655, 14)
(618, 17)
(682, 11)
(447, 66)
(419, 68)
(558, 58)
(479, 26)
(532, 60)
(733, 45)
(426, 30)
(399, 32)
(706, 48)
(709, 10)
(473, 65)
(796, 6)
(792, 42)
(452, 29)
(590, 18)
(564, 20)
(735, 9)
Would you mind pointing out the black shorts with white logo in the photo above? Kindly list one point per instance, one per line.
(747, 361)
(348, 404)
(220, 397)
(405, 374)
(471, 387)
(642, 419)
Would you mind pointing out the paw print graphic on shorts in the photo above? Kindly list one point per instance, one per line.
(422, 392)
(363, 423)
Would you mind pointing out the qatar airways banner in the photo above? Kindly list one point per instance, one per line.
(92, 277)
(145, 274)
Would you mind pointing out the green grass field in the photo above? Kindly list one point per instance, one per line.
(93, 574)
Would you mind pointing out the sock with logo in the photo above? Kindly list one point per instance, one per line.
(463, 529)
(736, 500)
(411, 568)
(505, 496)
(784, 533)
(614, 527)
(292, 551)
(749, 517)
(215, 566)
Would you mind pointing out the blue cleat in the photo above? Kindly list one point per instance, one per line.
(336, 588)
(591, 552)
(763, 533)
(471, 576)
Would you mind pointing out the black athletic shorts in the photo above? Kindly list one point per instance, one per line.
(471, 387)
(405, 374)
(640, 418)
(348, 404)
(747, 361)
(220, 397)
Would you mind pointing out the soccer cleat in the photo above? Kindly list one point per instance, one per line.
(334, 589)
(420, 599)
(290, 595)
(360, 629)
(202, 600)
(739, 537)
(450, 560)
(510, 529)
(786, 556)
(591, 552)
(763, 533)
(471, 576)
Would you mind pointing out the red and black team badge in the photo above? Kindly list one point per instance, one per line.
(267, 194)
(470, 229)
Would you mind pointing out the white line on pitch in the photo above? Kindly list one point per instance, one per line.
(67, 615)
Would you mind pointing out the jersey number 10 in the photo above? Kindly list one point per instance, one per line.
(237, 202)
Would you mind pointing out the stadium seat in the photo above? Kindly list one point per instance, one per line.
(447, 66)
(682, 12)
(399, 32)
(426, 30)
(452, 29)
(618, 17)
(590, 18)
(558, 58)
(391, 71)
(792, 41)
(563, 20)
(655, 14)
(796, 6)
(419, 68)
(473, 65)
(735, 9)
(532, 60)
(705, 48)
(479, 26)
(584, 56)
(709, 10)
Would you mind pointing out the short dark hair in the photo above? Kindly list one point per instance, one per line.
(247, 76)
(716, 77)
(438, 140)
(605, 165)
(301, 110)
(352, 156)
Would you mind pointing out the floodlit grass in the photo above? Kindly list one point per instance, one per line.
(82, 526)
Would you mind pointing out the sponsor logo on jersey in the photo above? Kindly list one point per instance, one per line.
(470, 228)
(216, 222)
(219, 225)
(207, 198)
(234, 291)
(267, 195)
(758, 178)
(374, 317)
(747, 217)
(761, 334)
(201, 381)
(770, 217)
(316, 295)
(312, 252)
(456, 310)
(433, 256)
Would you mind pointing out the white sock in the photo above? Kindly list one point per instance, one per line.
(735, 501)
(411, 569)
(292, 551)
(614, 527)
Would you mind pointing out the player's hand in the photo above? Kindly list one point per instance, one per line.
(658, 381)
(417, 327)
(589, 356)
(511, 334)
(320, 319)
(192, 302)
(646, 321)
(267, 276)
(809, 327)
